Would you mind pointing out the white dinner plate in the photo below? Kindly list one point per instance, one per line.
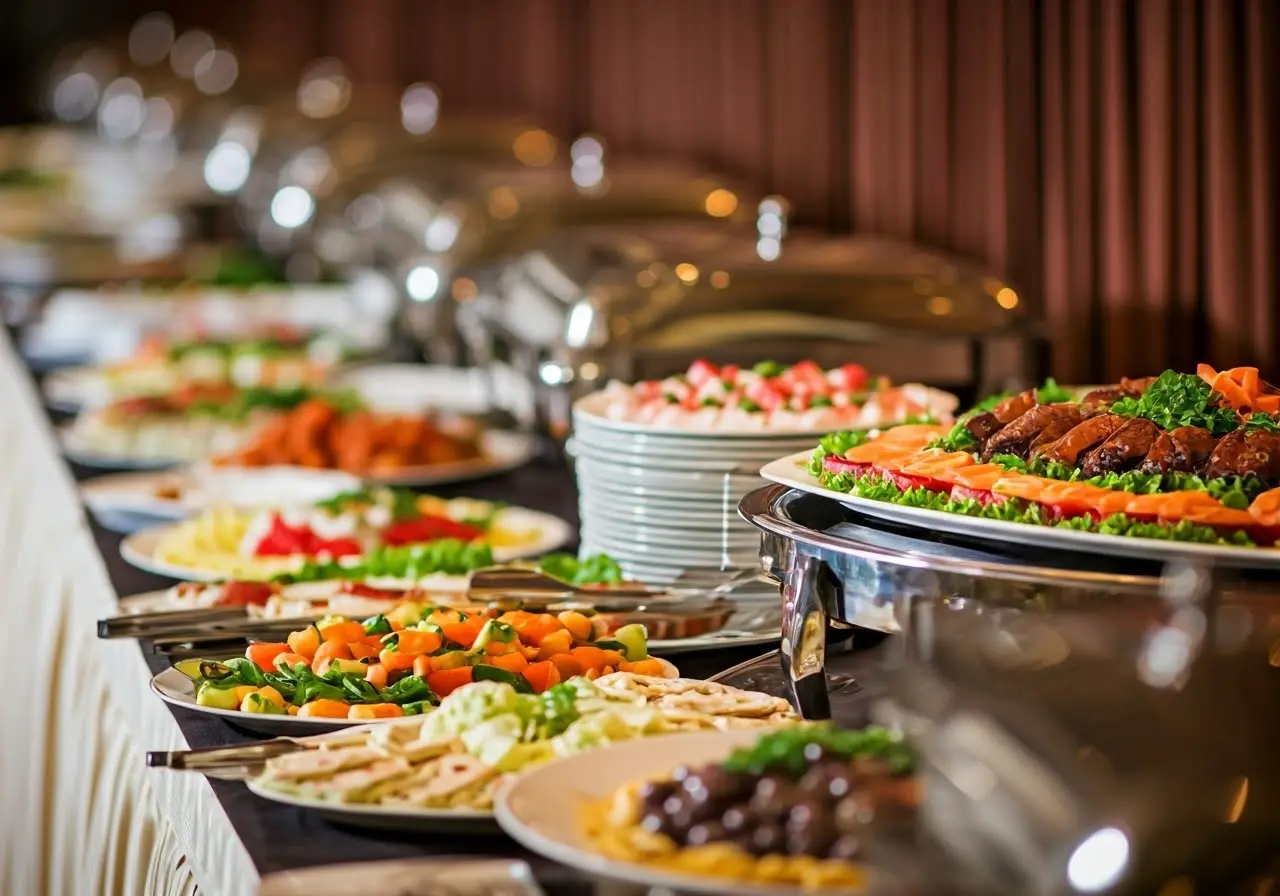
(600, 440)
(542, 809)
(755, 622)
(792, 472)
(135, 496)
(550, 532)
(418, 388)
(176, 689)
(676, 538)
(384, 818)
(744, 464)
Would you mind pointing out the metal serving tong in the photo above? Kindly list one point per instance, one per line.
(246, 759)
(493, 586)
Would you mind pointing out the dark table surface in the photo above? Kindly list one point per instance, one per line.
(279, 837)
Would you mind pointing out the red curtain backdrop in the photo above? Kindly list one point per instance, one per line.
(1112, 158)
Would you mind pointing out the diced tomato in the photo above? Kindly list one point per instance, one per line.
(769, 397)
(285, 540)
(244, 594)
(359, 589)
(729, 372)
(701, 371)
(848, 377)
(428, 528)
(805, 372)
(648, 390)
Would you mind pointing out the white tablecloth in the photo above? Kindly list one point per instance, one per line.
(80, 814)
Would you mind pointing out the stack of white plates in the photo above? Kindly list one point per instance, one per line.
(664, 503)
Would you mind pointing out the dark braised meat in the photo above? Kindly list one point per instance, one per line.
(1060, 426)
(1255, 452)
(984, 426)
(1126, 388)
(1127, 447)
(1016, 438)
(1182, 450)
(1228, 456)
(1095, 430)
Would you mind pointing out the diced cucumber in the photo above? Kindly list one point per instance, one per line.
(256, 703)
(495, 673)
(635, 641)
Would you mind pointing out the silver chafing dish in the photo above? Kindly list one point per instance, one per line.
(1085, 725)
(643, 301)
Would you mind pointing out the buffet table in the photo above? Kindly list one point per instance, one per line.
(97, 820)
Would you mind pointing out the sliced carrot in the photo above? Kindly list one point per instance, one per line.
(1232, 394)
(376, 675)
(264, 653)
(291, 660)
(1205, 372)
(512, 662)
(394, 661)
(556, 642)
(1268, 404)
(1248, 379)
(364, 648)
(324, 709)
(648, 666)
(445, 681)
(422, 666)
(414, 641)
(464, 633)
(541, 676)
(305, 642)
(567, 665)
(1265, 508)
(536, 627)
(368, 711)
(590, 657)
(331, 650)
(342, 632)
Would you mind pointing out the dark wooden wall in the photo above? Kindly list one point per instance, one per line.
(1114, 158)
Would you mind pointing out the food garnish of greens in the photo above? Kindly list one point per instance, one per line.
(792, 750)
(1185, 457)
(448, 556)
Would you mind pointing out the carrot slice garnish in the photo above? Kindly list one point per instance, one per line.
(1248, 379)
(1232, 393)
(1205, 372)
(1265, 508)
(1268, 404)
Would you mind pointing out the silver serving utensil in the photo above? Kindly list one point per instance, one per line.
(144, 624)
(238, 761)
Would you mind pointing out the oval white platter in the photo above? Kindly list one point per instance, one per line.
(548, 533)
(753, 624)
(502, 451)
(392, 818)
(542, 809)
(791, 471)
(176, 689)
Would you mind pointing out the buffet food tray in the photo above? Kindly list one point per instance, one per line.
(839, 567)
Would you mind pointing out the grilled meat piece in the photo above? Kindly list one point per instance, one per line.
(1182, 450)
(1126, 388)
(1127, 447)
(984, 426)
(1060, 426)
(1016, 438)
(1091, 432)
(1242, 452)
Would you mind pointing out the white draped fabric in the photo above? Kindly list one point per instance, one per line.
(79, 812)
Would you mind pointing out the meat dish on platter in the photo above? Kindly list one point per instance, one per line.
(769, 398)
(458, 755)
(1184, 457)
(789, 809)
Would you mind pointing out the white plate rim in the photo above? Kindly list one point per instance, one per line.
(138, 548)
(667, 753)
(376, 815)
(790, 471)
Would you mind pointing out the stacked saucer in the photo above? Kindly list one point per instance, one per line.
(663, 502)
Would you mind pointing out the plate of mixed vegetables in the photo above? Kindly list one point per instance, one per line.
(340, 671)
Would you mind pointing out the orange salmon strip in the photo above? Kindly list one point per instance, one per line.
(1020, 485)
(931, 463)
(1172, 506)
(979, 476)
(874, 452)
(1219, 516)
(920, 434)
